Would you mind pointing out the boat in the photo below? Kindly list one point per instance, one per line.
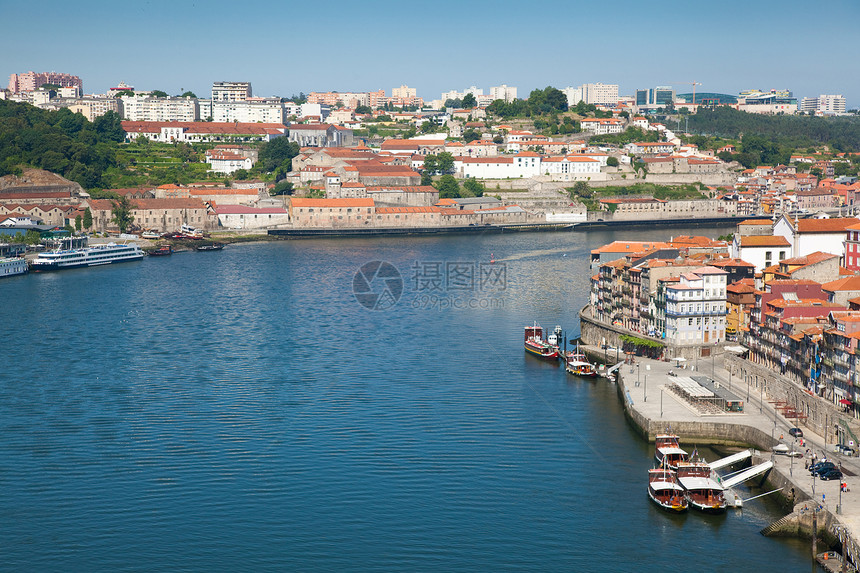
(189, 232)
(162, 251)
(577, 363)
(211, 247)
(668, 452)
(703, 492)
(535, 344)
(663, 489)
(150, 235)
(86, 257)
(11, 266)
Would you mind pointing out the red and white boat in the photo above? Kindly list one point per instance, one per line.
(668, 452)
(703, 492)
(664, 490)
(535, 344)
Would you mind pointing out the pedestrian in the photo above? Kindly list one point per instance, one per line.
(780, 436)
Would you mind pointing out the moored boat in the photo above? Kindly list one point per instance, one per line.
(86, 257)
(703, 492)
(577, 363)
(161, 251)
(535, 344)
(11, 266)
(667, 451)
(211, 247)
(189, 232)
(663, 489)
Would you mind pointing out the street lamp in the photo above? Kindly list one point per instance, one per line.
(647, 368)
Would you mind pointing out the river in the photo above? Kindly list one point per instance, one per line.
(245, 410)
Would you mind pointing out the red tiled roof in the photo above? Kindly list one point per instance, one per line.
(307, 202)
(764, 241)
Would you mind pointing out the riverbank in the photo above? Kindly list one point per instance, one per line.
(650, 406)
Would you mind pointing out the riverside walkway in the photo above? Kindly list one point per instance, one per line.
(646, 386)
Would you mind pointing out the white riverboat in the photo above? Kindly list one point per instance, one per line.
(703, 492)
(11, 266)
(87, 257)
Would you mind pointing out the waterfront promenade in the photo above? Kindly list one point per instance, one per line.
(650, 404)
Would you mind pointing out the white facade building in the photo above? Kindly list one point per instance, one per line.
(227, 162)
(503, 92)
(231, 91)
(243, 217)
(824, 104)
(761, 250)
(137, 108)
(602, 126)
(597, 94)
(696, 307)
(263, 111)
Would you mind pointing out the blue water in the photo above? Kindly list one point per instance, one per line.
(241, 411)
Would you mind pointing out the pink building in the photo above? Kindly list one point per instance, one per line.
(32, 81)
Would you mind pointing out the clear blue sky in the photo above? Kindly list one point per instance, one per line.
(283, 47)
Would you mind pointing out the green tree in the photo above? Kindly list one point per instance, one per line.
(469, 101)
(448, 187)
(473, 187)
(363, 109)
(121, 213)
(471, 135)
(158, 93)
(189, 94)
(582, 190)
(453, 103)
(445, 162)
(282, 188)
(109, 127)
(426, 178)
(612, 161)
(88, 218)
(278, 152)
(431, 165)
(78, 223)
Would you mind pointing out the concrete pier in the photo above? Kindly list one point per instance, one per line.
(644, 388)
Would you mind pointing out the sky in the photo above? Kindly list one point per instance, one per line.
(286, 47)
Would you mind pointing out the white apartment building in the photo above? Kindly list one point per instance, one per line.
(262, 111)
(503, 92)
(824, 104)
(602, 126)
(404, 92)
(136, 108)
(231, 91)
(475, 91)
(597, 94)
(92, 108)
(696, 307)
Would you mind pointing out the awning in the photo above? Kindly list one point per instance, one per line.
(845, 402)
(736, 349)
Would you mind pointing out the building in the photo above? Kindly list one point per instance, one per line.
(231, 91)
(227, 162)
(760, 250)
(162, 215)
(810, 235)
(503, 92)
(200, 131)
(597, 94)
(91, 108)
(321, 135)
(137, 108)
(696, 307)
(602, 126)
(31, 81)
(254, 110)
(243, 217)
(653, 98)
(769, 103)
(823, 105)
(404, 92)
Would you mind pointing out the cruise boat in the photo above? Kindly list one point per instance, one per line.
(577, 363)
(668, 452)
(663, 489)
(11, 266)
(535, 344)
(87, 257)
(703, 492)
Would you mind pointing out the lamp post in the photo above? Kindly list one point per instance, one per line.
(839, 505)
(647, 369)
(761, 394)
(661, 403)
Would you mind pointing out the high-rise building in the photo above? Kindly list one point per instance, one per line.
(231, 91)
(503, 92)
(661, 96)
(32, 81)
(137, 108)
(823, 104)
(404, 92)
(597, 94)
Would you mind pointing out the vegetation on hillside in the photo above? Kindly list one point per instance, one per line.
(590, 196)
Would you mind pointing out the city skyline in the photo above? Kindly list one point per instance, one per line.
(350, 47)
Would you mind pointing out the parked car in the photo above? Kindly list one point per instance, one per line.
(822, 467)
(796, 432)
(831, 474)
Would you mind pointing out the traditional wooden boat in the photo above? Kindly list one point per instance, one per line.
(664, 490)
(161, 251)
(212, 247)
(535, 344)
(668, 452)
(577, 363)
(703, 493)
